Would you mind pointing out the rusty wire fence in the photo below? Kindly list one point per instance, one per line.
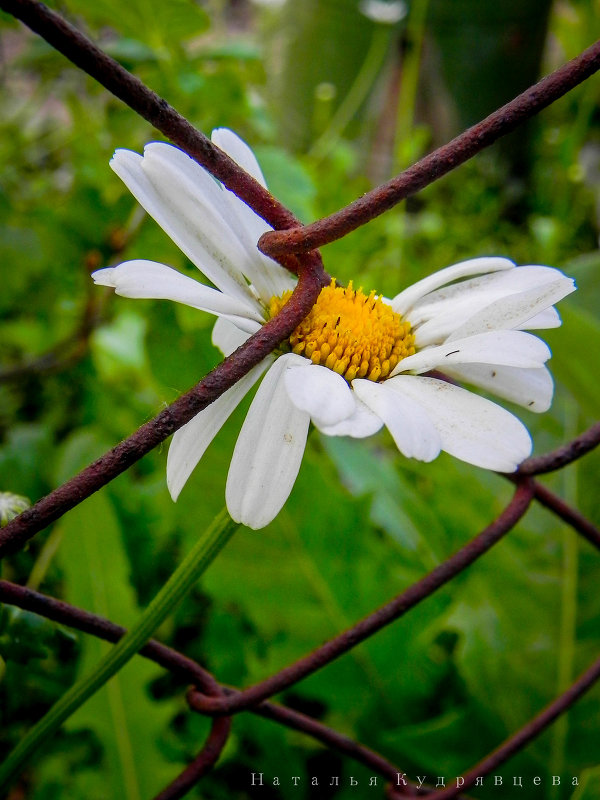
(294, 246)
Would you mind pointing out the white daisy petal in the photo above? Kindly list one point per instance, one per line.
(231, 228)
(456, 299)
(404, 301)
(152, 281)
(549, 318)
(515, 310)
(471, 428)
(507, 348)
(320, 392)
(359, 425)
(217, 238)
(410, 427)
(187, 204)
(484, 289)
(268, 451)
(227, 336)
(183, 168)
(530, 388)
(266, 275)
(237, 149)
(189, 443)
(442, 312)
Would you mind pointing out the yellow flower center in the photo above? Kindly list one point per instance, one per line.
(354, 334)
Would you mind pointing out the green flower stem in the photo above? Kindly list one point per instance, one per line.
(181, 581)
(359, 90)
(411, 73)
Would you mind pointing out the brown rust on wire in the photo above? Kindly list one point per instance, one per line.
(180, 664)
(436, 164)
(203, 763)
(568, 514)
(345, 641)
(526, 734)
(121, 457)
(86, 55)
(73, 44)
(184, 667)
(564, 455)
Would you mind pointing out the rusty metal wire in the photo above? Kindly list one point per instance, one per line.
(208, 696)
(436, 164)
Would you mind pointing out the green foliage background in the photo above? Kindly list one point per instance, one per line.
(450, 681)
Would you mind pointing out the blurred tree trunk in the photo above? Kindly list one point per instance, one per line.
(485, 54)
(321, 46)
(479, 55)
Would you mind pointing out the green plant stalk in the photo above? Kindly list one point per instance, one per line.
(181, 581)
(360, 89)
(410, 81)
(327, 599)
(568, 614)
(44, 559)
(407, 102)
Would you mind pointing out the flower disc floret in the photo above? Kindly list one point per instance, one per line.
(352, 333)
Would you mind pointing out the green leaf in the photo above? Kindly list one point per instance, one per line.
(119, 347)
(179, 354)
(289, 181)
(316, 570)
(24, 635)
(494, 650)
(579, 334)
(589, 781)
(24, 457)
(400, 510)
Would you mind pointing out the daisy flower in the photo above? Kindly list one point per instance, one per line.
(358, 361)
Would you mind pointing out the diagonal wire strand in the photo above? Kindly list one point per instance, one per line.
(383, 616)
